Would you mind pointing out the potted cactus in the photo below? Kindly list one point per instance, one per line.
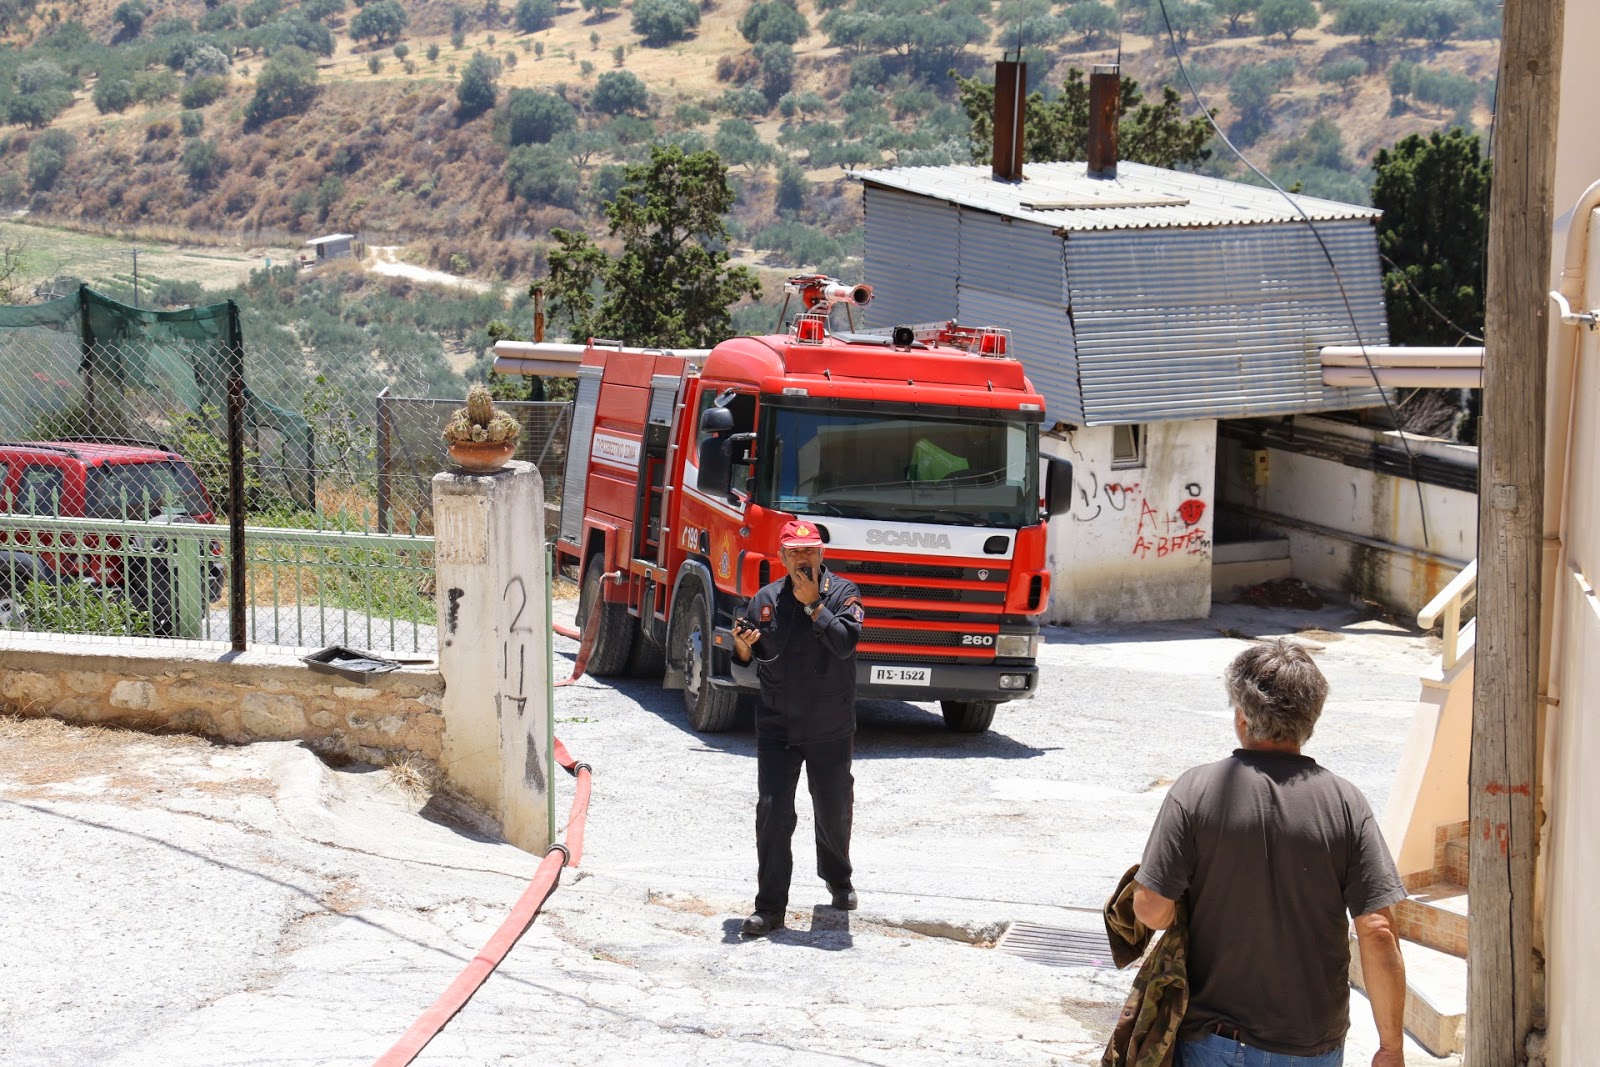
(480, 438)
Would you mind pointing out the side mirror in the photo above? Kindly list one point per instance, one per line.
(716, 463)
(1058, 486)
(715, 420)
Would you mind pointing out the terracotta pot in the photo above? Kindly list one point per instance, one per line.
(481, 457)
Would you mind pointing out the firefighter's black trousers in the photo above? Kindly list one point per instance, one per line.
(827, 765)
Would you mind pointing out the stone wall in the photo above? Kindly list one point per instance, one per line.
(229, 696)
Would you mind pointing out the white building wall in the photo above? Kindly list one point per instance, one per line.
(1354, 529)
(1569, 863)
(1136, 546)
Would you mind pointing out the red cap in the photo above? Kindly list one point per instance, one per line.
(798, 533)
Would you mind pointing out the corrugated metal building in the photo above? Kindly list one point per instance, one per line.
(1145, 307)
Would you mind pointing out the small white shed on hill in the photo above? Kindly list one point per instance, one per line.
(1146, 306)
(331, 246)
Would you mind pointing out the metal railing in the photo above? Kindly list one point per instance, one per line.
(1461, 590)
(304, 588)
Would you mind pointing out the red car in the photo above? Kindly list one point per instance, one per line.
(96, 479)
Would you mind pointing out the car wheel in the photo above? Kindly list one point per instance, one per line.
(10, 611)
(613, 642)
(712, 709)
(968, 716)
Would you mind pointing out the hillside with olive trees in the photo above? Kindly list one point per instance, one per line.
(466, 132)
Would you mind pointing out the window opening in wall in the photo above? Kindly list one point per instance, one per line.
(1127, 447)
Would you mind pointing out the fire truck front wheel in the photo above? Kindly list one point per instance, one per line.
(711, 708)
(613, 641)
(968, 716)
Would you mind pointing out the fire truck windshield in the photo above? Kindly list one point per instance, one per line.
(905, 465)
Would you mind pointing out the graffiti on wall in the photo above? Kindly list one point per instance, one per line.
(1099, 498)
(1178, 531)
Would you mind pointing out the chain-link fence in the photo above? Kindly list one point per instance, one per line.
(411, 450)
(116, 479)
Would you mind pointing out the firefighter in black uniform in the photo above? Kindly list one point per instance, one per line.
(801, 632)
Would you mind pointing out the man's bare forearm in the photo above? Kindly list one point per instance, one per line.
(1384, 971)
(1154, 910)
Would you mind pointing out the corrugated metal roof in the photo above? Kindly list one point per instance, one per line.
(911, 259)
(1041, 339)
(1192, 324)
(1064, 197)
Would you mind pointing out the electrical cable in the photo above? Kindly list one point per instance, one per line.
(1411, 459)
(1466, 335)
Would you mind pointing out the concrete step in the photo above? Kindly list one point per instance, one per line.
(1270, 548)
(1436, 995)
(1229, 579)
(1435, 916)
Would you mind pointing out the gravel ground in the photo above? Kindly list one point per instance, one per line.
(174, 902)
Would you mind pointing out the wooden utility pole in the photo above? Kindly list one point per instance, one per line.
(1503, 777)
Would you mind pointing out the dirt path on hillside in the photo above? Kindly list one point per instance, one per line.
(381, 260)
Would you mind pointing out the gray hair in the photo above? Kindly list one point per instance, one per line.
(1278, 689)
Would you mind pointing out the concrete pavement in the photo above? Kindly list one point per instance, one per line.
(173, 902)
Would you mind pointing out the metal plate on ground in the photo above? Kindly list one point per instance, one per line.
(1057, 946)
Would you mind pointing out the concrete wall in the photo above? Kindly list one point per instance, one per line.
(1570, 849)
(1430, 784)
(233, 697)
(1354, 529)
(1136, 546)
(494, 649)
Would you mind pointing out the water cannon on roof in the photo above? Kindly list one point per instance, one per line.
(818, 295)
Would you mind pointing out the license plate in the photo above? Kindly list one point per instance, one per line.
(901, 676)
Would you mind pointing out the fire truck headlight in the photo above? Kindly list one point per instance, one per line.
(1016, 646)
(1013, 681)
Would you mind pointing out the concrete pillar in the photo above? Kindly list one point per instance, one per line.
(493, 645)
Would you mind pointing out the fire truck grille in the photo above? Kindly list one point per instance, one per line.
(933, 593)
(896, 657)
(926, 638)
(850, 567)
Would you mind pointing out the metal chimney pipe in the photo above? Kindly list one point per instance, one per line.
(1010, 96)
(1105, 100)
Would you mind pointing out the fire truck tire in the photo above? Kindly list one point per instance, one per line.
(613, 644)
(711, 710)
(968, 716)
(648, 658)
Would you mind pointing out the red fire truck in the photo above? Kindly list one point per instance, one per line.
(915, 452)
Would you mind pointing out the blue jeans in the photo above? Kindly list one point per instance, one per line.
(1214, 1050)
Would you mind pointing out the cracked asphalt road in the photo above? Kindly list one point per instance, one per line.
(172, 902)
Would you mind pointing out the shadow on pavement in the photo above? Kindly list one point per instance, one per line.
(829, 932)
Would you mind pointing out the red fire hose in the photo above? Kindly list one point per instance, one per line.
(526, 909)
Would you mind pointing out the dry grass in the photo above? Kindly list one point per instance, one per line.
(39, 751)
(415, 780)
(39, 754)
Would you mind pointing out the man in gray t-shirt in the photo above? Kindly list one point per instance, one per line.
(1272, 851)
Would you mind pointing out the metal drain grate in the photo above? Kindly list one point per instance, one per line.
(1057, 946)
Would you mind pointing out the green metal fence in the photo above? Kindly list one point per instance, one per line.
(166, 577)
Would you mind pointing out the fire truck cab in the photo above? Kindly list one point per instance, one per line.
(915, 452)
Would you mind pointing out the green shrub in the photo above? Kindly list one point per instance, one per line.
(71, 608)
(202, 92)
(220, 18)
(47, 158)
(191, 123)
(113, 94)
(660, 22)
(531, 16)
(619, 91)
(199, 161)
(541, 174)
